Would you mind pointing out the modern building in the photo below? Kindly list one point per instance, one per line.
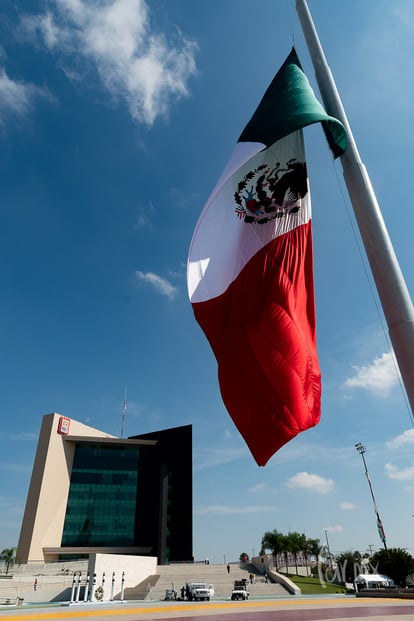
(91, 492)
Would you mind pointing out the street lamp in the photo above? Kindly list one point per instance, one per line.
(361, 450)
(329, 551)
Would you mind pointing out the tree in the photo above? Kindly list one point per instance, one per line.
(285, 543)
(7, 556)
(311, 548)
(274, 542)
(244, 557)
(350, 564)
(395, 563)
(296, 544)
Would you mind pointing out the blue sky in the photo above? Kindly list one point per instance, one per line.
(116, 119)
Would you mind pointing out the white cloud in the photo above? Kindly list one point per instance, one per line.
(144, 215)
(50, 31)
(10, 508)
(400, 475)
(114, 38)
(16, 97)
(207, 458)
(257, 488)
(405, 438)
(24, 436)
(386, 47)
(334, 529)
(347, 506)
(378, 377)
(302, 448)
(161, 285)
(312, 482)
(15, 467)
(184, 201)
(228, 510)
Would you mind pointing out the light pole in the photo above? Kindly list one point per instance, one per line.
(361, 450)
(329, 551)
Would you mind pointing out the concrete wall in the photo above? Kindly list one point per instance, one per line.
(285, 582)
(395, 593)
(266, 561)
(135, 568)
(45, 510)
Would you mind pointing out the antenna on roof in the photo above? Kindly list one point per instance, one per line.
(124, 407)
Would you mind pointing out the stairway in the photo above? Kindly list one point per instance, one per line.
(175, 576)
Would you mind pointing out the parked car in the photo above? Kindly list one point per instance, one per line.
(240, 590)
(198, 591)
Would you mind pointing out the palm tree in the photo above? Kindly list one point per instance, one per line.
(286, 550)
(273, 541)
(7, 556)
(304, 550)
(312, 549)
(296, 544)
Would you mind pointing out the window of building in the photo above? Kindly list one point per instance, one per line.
(101, 506)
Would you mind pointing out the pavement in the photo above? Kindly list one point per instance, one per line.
(300, 608)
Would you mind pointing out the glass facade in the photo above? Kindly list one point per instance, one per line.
(101, 508)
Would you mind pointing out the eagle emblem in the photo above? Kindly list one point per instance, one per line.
(270, 192)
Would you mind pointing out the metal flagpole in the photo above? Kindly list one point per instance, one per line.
(392, 290)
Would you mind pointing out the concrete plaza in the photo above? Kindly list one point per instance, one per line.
(299, 608)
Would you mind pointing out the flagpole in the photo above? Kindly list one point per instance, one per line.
(392, 290)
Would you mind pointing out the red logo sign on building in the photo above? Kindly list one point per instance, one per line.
(64, 424)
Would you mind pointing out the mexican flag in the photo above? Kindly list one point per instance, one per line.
(250, 269)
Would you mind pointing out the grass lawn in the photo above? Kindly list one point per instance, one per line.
(313, 586)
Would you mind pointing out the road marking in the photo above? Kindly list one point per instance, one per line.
(166, 610)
